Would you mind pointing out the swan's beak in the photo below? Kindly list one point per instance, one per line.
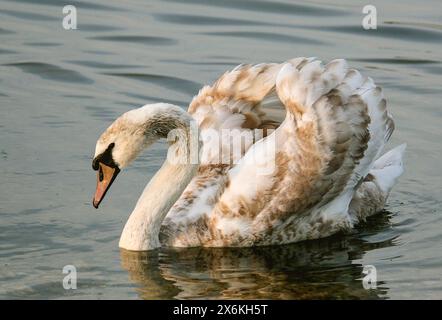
(105, 176)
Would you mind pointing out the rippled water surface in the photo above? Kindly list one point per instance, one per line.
(60, 89)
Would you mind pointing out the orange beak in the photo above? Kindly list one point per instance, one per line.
(105, 176)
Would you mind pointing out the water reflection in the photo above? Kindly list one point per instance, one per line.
(323, 269)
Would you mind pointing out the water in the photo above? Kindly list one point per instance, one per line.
(60, 89)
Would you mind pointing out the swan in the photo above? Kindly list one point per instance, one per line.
(309, 165)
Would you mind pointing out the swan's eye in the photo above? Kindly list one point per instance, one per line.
(104, 159)
(100, 174)
(95, 164)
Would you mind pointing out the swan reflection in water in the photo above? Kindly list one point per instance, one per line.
(320, 269)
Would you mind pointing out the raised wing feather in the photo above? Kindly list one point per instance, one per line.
(336, 126)
(320, 155)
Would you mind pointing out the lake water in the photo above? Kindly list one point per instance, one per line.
(60, 89)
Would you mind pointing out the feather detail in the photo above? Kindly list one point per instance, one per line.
(322, 154)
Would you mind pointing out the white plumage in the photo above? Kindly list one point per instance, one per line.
(307, 166)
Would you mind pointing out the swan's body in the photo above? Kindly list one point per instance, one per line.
(306, 175)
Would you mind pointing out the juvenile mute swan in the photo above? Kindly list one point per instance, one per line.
(309, 174)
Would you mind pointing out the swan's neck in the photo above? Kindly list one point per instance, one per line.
(143, 226)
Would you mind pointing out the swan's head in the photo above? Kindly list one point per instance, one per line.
(117, 146)
(126, 137)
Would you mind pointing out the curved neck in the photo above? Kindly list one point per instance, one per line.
(143, 226)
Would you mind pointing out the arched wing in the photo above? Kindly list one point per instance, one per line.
(336, 126)
(305, 171)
